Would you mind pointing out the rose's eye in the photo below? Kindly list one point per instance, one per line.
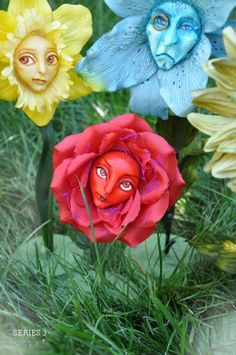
(186, 26)
(126, 186)
(52, 59)
(101, 172)
(27, 59)
(160, 22)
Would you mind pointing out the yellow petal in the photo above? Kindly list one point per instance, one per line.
(17, 7)
(209, 124)
(7, 92)
(214, 100)
(7, 24)
(40, 118)
(230, 42)
(229, 145)
(222, 138)
(225, 167)
(78, 20)
(224, 72)
(232, 185)
(78, 88)
(209, 166)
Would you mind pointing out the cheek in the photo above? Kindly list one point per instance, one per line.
(96, 183)
(188, 40)
(118, 195)
(24, 72)
(154, 37)
(52, 71)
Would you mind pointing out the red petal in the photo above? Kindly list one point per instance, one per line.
(134, 236)
(151, 214)
(131, 121)
(176, 188)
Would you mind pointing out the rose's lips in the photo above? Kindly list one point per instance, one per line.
(40, 81)
(101, 197)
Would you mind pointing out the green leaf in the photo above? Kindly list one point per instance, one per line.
(146, 255)
(177, 131)
(189, 157)
(35, 253)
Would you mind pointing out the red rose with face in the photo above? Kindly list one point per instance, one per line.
(129, 176)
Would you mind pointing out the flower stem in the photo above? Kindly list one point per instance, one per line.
(167, 222)
(179, 133)
(43, 180)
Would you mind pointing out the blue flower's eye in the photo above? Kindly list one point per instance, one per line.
(160, 22)
(186, 26)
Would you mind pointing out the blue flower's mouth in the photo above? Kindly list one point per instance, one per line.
(164, 61)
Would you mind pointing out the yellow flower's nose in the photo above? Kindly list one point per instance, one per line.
(41, 66)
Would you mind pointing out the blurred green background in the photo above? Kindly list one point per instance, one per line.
(121, 308)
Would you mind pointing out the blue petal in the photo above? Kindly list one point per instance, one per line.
(214, 12)
(146, 99)
(176, 84)
(119, 59)
(125, 8)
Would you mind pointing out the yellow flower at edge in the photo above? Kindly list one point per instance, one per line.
(38, 51)
(221, 100)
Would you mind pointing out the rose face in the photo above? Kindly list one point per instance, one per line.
(125, 195)
(173, 31)
(114, 179)
(36, 62)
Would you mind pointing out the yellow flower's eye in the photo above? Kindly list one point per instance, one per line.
(52, 59)
(27, 59)
(160, 22)
(101, 172)
(126, 186)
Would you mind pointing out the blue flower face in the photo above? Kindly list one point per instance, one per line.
(173, 30)
(158, 50)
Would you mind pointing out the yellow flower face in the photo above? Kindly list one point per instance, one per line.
(38, 50)
(36, 62)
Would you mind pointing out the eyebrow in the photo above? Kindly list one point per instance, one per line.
(30, 50)
(107, 162)
(128, 175)
(160, 10)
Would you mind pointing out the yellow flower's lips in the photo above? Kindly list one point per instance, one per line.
(40, 81)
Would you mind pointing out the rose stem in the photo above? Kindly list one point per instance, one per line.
(179, 134)
(43, 180)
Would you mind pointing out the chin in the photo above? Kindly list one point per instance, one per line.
(101, 204)
(39, 89)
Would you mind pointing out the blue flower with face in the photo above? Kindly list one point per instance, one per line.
(157, 51)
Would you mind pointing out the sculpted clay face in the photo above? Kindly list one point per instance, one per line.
(173, 31)
(36, 62)
(114, 179)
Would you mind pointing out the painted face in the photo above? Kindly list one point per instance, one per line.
(36, 62)
(114, 178)
(173, 30)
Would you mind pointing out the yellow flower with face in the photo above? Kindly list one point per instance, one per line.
(38, 50)
(222, 100)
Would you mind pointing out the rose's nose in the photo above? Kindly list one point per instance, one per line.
(110, 186)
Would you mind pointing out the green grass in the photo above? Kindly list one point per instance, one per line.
(105, 305)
